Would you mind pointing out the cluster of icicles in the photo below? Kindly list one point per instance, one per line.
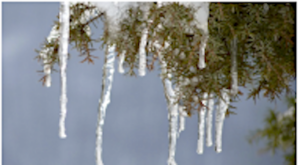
(114, 12)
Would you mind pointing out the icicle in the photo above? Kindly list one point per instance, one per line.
(173, 117)
(209, 118)
(63, 55)
(201, 63)
(220, 116)
(47, 69)
(234, 73)
(121, 61)
(182, 115)
(107, 79)
(54, 34)
(172, 107)
(142, 52)
(201, 123)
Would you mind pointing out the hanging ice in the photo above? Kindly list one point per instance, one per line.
(182, 115)
(54, 34)
(201, 63)
(142, 53)
(121, 61)
(143, 43)
(220, 116)
(201, 123)
(107, 79)
(209, 118)
(234, 73)
(172, 107)
(63, 55)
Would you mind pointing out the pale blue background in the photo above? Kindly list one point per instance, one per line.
(136, 127)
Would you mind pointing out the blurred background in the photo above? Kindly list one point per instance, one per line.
(136, 125)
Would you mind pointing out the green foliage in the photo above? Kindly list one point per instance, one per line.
(280, 133)
(265, 47)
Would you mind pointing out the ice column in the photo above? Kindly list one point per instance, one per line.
(63, 55)
(201, 123)
(107, 79)
(220, 116)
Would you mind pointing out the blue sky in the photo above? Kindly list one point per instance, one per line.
(136, 125)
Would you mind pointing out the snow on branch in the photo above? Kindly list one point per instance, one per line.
(63, 55)
(107, 79)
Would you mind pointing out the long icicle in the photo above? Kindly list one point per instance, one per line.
(172, 107)
(107, 79)
(63, 55)
(142, 48)
(201, 124)
(234, 73)
(220, 116)
(209, 118)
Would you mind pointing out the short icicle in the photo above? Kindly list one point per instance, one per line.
(201, 124)
(201, 63)
(54, 35)
(107, 79)
(121, 61)
(182, 115)
(220, 116)
(209, 118)
(63, 55)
